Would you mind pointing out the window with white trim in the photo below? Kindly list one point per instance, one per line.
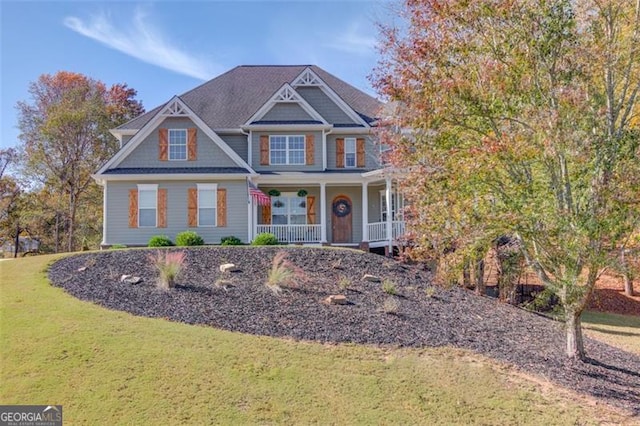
(287, 149)
(147, 205)
(207, 204)
(289, 209)
(177, 144)
(397, 206)
(350, 152)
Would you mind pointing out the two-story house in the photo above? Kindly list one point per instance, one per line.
(288, 150)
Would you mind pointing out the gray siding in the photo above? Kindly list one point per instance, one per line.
(118, 231)
(286, 111)
(370, 149)
(324, 105)
(355, 194)
(209, 153)
(317, 156)
(375, 214)
(239, 144)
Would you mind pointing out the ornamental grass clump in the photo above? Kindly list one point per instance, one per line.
(284, 273)
(169, 265)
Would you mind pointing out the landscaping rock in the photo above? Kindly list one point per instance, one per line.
(336, 299)
(130, 279)
(371, 278)
(84, 268)
(228, 267)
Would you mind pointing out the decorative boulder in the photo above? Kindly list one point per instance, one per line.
(228, 267)
(130, 279)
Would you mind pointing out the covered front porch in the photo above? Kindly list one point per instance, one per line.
(345, 210)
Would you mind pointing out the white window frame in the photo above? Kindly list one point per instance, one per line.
(347, 142)
(397, 211)
(288, 150)
(290, 196)
(208, 187)
(148, 187)
(186, 143)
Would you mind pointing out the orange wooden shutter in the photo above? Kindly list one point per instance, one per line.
(309, 148)
(192, 207)
(162, 208)
(264, 150)
(360, 152)
(133, 208)
(340, 153)
(222, 208)
(311, 210)
(163, 145)
(266, 214)
(192, 144)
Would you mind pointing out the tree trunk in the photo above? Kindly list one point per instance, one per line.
(479, 277)
(57, 232)
(72, 220)
(17, 241)
(575, 344)
(466, 274)
(628, 284)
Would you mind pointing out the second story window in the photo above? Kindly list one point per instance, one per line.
(177, 144)
(287, 150)
(350, 152)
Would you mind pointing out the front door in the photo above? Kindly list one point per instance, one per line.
(341, 219)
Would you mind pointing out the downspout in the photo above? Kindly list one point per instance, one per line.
(324, 147)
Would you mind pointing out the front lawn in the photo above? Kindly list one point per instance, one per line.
(109, 367)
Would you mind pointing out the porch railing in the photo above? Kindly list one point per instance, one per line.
(378, 230)
(293, 233)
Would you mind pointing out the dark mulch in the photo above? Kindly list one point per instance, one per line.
(425, 318)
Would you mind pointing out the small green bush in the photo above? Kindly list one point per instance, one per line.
(189, 238)
(265, 239)
(230, 241)
(389, 287)
(160, 241)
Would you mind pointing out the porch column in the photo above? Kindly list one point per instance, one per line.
(104, 214)
(365, 212)
(254, 222)
(389, 213)
(250, 219)
(323, 213)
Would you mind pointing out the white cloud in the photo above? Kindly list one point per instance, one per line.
(354, 41)
(142, 41)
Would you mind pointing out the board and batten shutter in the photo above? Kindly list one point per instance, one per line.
(264, 150)
(309, 149)
(192, 144)
(266, 214)
(192, 207)
(162, 208)
(311, 210)
(221, 208)
(340, 153)
(360, 160)
(133, 208)
(163, 144)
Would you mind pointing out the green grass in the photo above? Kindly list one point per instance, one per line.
(109, 367)
(622, 331)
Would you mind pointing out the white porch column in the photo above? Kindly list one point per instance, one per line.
(254, 222)
(104, 213)
(250, 219)
(389, 213)
(365, 211)
(323, 212)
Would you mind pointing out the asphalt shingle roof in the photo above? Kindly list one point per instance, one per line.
(173, 170)
(230, 99)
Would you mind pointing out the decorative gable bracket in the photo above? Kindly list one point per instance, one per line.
(307, 78)
(175, 108)
(287, 94)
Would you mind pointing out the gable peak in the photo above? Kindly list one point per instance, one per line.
(175, 108)
(307, 78)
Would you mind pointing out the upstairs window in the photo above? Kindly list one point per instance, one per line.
(289, 150)
(350, 152)
(177, 144)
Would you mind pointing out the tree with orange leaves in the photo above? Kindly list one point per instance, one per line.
(520, 118)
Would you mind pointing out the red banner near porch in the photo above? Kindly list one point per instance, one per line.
(258, 196)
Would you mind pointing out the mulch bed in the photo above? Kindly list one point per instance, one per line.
(427, 316)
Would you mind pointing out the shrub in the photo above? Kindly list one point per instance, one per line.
(160, 241)
(230, 241)
(169, 266)
(117, 246)
(265, 239)
(388, 287)
(344, 283)
(430, 292)
(284, 273)
(189, 238)
(390, 306)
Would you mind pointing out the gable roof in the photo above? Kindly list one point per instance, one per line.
(250, 87)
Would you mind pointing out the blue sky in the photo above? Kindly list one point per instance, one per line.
(165, 48)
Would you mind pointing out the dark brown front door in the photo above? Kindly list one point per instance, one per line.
(341, 219)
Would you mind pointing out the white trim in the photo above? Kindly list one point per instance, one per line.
(389, 214)
(355, 153)
(152, 125)
(186, 145)
(308, 73)
(323, 212)
(286, 127)
(208, 187)
(104, 215)
(148, 187)
(286, 150)
(286, 94)
(101, 179)
(365, 211)
(299, 178)
(250, 147)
